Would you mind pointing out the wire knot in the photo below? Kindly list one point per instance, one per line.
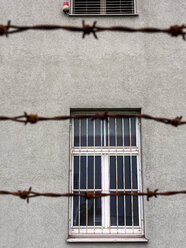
(32, 118)
(4, 29)
(176, 121)
(25, 194)
(87, 29)
(178, 30)
(151, 193)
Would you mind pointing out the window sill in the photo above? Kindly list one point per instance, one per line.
(130, 15)
(107, 239)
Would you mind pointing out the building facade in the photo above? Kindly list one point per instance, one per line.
(59, 73)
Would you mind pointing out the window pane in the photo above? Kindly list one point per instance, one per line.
(76, 132)
(128, 211)
(113, 211)
(83, 132)
(76, 172)
(119, 132)
(98, 132)
(120, 172)
(90, 172)
(127, 173)
(120, 210)
(97, 172)
(98, 212)
(107, 133)
(82, 211)
(112, 131)
(75, 210)
(90, 132)
(83, 173)
(91, 212)
(126, 132)
(103, 132)
(133, 131)
(135, 209)
(134, 172)
(112, 172)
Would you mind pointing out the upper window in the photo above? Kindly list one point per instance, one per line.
(103, 7)
(105, 157)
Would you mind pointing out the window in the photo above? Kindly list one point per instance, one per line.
(103, 7)
(105, 157)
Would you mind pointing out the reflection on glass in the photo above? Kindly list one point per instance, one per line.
(75, 210)
(128, 211)
(82, 211)
(120, 171)
(112, 172)
(134, 172)
(91, 212)
(90, 132)
(98, 212)
(83, 173)
(76, 132)
(113, 219)
(126, 132)
(83, 132)
(98, 172)
(120, 211)
(119, 132)
(90, 172)
(135, 209)
(133, 131)
(76, 172)
(98, 132)
(112, 131)
(127, 173)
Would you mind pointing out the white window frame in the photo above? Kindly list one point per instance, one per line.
(71, 13)
(106, 233)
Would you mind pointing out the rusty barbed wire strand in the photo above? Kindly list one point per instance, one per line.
(86, 29)
(27, 194)
(34, 118)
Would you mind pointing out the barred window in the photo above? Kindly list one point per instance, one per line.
(105, 157)
(103, 7)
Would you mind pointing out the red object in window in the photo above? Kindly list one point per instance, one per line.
(65, 7)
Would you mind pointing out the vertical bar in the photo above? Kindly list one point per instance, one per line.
(86, 173)
(101, 174)
(124, 175)
(94, 176)
(116, 172)
(79, 171)
(131, 170)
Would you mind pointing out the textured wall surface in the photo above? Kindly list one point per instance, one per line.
(49, 73)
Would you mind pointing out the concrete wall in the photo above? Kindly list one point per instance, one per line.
(49, 73)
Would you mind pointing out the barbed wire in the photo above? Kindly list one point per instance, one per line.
(27, 194)
(34, 118)
(86, 29)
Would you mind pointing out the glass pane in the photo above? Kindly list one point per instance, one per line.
(98, 132)
(134, 172)
(83, 173)
(120, 172)
(128, 211)
(113, 219)
(102, 133)
(90, 132)
(82, 211)
(120, 210)
(90, 172)
(75, 210)
(76, 172)
(133, 131)
(119, 132)
(127, 173)
(76, 132)
(83, 132)
(91, 212)
(126, 132)
(112, 131)
(112, 172)
(107, 133)
(98, 212)
(98, 172)
(135, 210)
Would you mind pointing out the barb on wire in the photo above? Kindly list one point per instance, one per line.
(87, 29)
(34, 118)
(27, 194)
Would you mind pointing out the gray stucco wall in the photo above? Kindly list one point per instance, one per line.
(49, 73)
